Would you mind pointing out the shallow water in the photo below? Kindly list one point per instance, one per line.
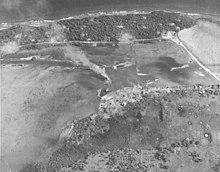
(163, 68)
(54, 9)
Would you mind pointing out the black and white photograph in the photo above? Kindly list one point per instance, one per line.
(110, 85)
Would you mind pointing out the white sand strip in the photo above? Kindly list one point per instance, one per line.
(181, 67)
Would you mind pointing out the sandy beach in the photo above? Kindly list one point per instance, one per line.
(204, 41)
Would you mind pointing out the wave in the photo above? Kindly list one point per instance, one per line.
(100, 13)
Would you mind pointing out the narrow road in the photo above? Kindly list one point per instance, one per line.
(178, 41)
(88, 42)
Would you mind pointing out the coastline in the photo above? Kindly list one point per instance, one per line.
(51, 101)
(200, 58)
(98, 13)
(102, 12)
(82, 28)
(194, 57)
(40, 22)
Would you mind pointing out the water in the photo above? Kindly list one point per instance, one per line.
(163, 67)
(54, 9)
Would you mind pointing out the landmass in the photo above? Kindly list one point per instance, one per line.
(142, 129)
(122, 92)
(106, 28)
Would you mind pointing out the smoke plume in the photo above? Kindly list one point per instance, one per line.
(78, 57)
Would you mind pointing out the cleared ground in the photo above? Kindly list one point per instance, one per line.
(204, 41)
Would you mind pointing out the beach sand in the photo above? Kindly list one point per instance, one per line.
(204, 42)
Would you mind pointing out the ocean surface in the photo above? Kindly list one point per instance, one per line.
(21, 10)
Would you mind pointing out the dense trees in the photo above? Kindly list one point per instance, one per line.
(101, 28)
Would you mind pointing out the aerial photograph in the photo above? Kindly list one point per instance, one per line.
(110, 85)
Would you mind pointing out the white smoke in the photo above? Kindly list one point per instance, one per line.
(78, 57)
(9, 48)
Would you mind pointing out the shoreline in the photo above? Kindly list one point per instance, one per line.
(194, 57)
(93, 13)
(153, 24)
(96, 14)
(38, 22)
